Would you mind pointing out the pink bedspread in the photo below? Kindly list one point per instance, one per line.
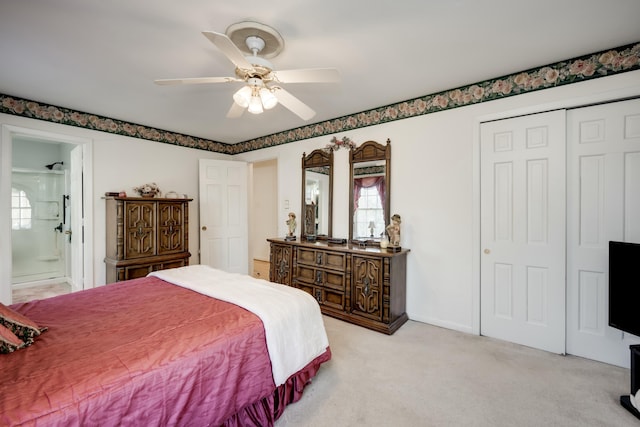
(142, 352)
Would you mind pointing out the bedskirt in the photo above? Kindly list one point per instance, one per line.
(266, 411)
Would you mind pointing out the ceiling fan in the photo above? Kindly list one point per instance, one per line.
(241, 44)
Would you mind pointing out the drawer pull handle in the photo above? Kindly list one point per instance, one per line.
(319, 277)
(319, 258)
(140, 232)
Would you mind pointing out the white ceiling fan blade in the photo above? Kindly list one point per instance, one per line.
(235, 111)
(196, 80)
(309, 75)
(294, 104)
(227, 47)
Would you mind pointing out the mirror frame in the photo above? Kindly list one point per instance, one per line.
(367, 152)
(315, 159)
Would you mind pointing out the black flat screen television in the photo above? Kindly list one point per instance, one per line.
(624, 286)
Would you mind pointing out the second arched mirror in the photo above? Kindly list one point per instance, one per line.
(370, 191)
(317, 195)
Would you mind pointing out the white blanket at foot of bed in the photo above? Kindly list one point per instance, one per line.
(292, 320)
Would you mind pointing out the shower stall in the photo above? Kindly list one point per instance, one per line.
(40, 224)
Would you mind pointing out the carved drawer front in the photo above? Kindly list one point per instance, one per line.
(331, 298)
(141, 270)
(139, 239)
(321, 277)
(306, 274)
(326, 297)
(170, 228)
(367, 287)
(322, 258)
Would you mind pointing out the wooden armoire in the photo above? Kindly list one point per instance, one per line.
(145, 235)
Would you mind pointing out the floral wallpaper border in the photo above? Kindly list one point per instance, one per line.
(600, 64)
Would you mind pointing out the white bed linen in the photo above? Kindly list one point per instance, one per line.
(292, 319)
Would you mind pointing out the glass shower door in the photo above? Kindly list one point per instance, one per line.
(38, 225)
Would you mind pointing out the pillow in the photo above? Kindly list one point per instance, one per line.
(23, 327)
(9, 342)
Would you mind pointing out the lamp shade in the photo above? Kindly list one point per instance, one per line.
(255, 105)
(268, 99)
(243, 96)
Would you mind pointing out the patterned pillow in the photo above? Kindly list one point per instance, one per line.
(23, 327)
(9, 342)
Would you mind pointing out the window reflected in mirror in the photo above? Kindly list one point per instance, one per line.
(369, 202)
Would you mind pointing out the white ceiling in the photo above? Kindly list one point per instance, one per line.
(101, 56)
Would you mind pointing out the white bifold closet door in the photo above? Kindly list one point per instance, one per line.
(603, 173)
(522, 282)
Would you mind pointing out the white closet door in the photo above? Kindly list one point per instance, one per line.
(604, 204)
(223, 215)
(523, 230)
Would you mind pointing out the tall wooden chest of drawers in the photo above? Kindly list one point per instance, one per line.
(365, 286)
(145, 235)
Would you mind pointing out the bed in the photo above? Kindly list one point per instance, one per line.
(173, 348)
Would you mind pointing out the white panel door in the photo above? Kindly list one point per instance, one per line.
(523, 230)
(604, 204)
(223, 215)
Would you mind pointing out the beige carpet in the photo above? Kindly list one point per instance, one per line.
(429, 376)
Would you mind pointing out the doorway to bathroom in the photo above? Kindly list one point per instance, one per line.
(45, 189)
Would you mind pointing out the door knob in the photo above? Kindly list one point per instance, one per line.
(487, 251)
(204, 228)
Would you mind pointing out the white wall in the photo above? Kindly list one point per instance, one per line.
(435, 188)
(118, 163)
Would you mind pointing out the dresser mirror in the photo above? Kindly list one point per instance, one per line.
(317, 195)
(369, 192)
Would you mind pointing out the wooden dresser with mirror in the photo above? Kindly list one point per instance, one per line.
(354, 280)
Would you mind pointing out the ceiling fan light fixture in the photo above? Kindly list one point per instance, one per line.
(243, 96)
(269, 100)
(255, 105)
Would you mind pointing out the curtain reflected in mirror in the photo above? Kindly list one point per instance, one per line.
(369, 192)
(317, 194)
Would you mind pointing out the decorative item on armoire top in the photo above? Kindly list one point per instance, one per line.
(337, 143)
(148, 190)
(393, 230)
(292, 224)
